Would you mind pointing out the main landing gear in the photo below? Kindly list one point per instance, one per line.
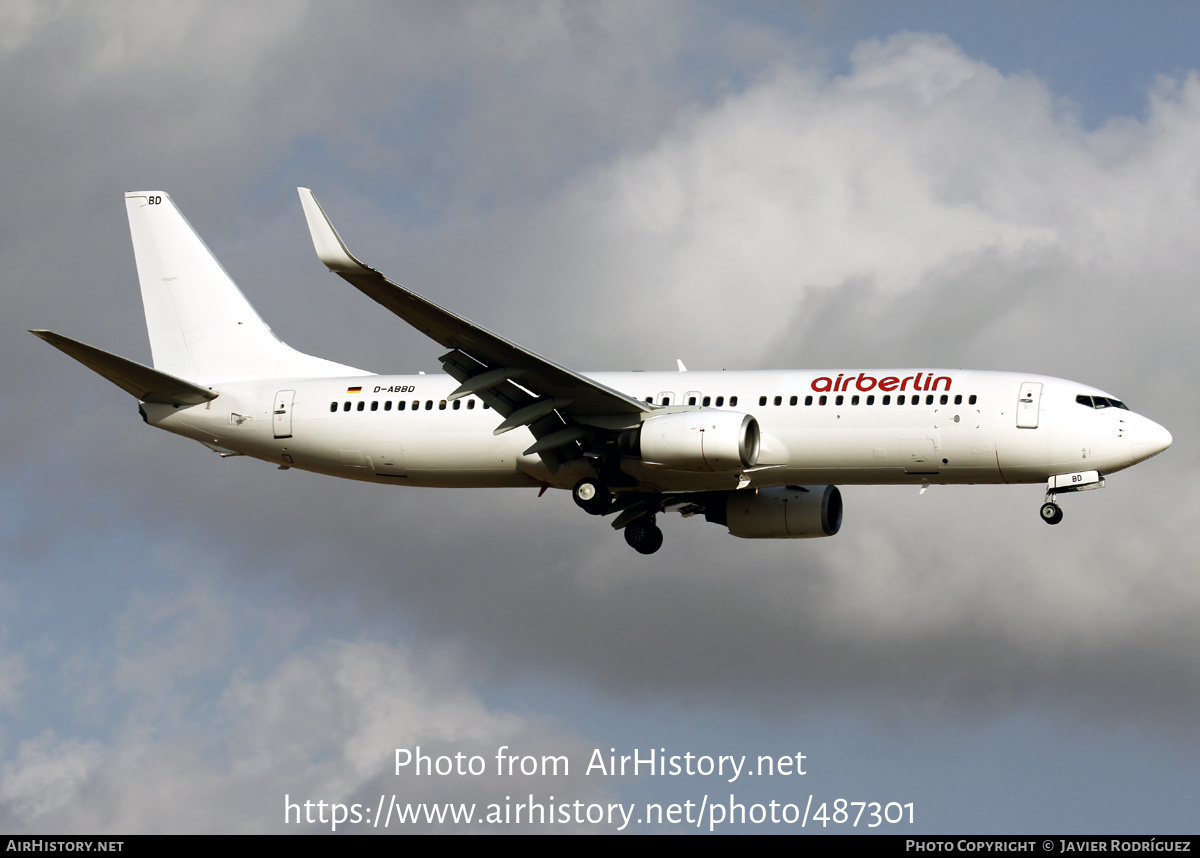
(643, 535)
(641, 532)
(592, 497)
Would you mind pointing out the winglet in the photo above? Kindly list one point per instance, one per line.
(329, 245)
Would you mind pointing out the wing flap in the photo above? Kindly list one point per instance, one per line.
(148, 385)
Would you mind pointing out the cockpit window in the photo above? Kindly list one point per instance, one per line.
(1099, 402)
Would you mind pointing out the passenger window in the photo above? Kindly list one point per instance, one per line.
(666, 400)
(823, 399)
(958, 399)
(470, 404)
(971, 401)
(428, 404)
(945, 399)
(361, 406)
(691, 400)
(793, 401)
(387, 406)
(839, 400)
(871, 400)
(720, 401)
(442, 405)
(457, 404)
(416, 404)
(333, 406)
(705, 402)
(808, 400)
(887, 400)
(346, 406)
(854, 399)
(650, 399)
(900, 399)
(762, 400)
(929, 399)
(732, 401)
(375, 405)
(400, 405)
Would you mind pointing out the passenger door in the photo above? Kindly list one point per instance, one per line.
(1028, 405)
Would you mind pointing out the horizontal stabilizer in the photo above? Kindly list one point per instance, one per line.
(148, 385)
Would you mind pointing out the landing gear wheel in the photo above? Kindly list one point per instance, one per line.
(1051, 513)
(592, 496)
(643, 535)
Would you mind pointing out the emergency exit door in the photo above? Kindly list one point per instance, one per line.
(282, 418)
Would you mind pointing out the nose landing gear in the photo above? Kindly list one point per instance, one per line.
(1051, 512)
(1080, 481)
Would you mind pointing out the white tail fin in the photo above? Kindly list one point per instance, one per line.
(201, 326)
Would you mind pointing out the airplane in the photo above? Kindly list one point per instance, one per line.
(758, 452)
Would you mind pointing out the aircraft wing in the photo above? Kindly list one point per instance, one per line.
(525, 388)
(148, 385)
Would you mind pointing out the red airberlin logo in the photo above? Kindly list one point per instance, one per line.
(865, 383)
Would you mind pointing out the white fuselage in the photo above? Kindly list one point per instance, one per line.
(758, 452)
(846, 426)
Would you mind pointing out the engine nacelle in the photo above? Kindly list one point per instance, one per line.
(791, 512)
(707, 440)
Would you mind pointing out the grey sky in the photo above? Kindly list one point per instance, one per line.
(185, 639)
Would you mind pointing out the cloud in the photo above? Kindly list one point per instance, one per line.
(587, 183)
(45, 775)
(922, 196)
(921, 208)
(919, 182)
(321, 725)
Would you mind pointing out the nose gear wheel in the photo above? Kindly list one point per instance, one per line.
(1051, 513)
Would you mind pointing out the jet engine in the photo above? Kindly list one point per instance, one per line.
(788, 512)
(706, 440)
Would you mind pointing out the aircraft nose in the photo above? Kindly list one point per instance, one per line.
(1149, 439)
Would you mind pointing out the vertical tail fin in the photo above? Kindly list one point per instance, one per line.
(201, 326)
